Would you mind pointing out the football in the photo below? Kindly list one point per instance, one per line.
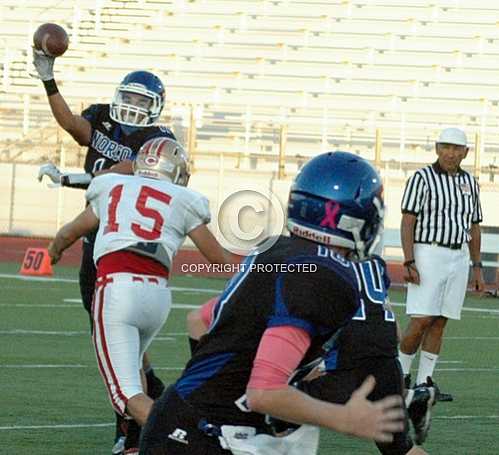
(52, 39)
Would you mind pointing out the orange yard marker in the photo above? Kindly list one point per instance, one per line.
(36, 262)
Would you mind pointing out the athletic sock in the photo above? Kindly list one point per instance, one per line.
(406, 361)
(427, 362)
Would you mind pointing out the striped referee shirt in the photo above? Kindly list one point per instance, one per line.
(445, 205)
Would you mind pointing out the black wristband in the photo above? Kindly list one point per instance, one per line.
(50, 87)
(477, 265)
(409, 263)
(76, 180)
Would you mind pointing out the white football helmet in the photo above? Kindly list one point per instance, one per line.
(163, 158)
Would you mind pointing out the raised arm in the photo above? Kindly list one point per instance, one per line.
(78, 127)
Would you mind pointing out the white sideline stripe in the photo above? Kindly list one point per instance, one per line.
(77, 366)
(42, 332)
(170, 336)
(485, 370)
(38, 278)
(166, 337)
(112, 424)
(465, 417)
(477, 310)
(38, 305)
(183, 289)
(71, 280)
(43, 366)
(491, 313)
(471, 338)
(468, 369)
(183, 306)
(52, 427)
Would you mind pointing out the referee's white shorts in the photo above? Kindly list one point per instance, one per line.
(444, 279)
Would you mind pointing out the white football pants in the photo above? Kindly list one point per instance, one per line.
(128, 311)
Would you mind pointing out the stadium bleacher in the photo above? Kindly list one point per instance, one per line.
(333, 72)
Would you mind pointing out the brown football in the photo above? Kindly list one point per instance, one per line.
(51, 38)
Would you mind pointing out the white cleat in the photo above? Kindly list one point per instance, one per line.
(119, 446)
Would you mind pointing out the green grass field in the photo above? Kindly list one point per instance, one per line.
(53, 400)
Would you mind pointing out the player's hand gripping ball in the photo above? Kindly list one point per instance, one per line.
(52, 39)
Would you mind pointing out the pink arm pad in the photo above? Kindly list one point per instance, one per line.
(280, 351)
(207, 311)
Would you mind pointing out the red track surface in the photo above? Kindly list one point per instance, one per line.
(12, 249)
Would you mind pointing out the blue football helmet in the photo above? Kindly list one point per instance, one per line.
(337, 199)
(139, 99)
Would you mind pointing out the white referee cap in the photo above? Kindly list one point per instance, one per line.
(452, 136)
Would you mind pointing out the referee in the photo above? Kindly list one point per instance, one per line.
(440, 232)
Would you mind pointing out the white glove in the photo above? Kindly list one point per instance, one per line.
(51, 171)
(44, 65)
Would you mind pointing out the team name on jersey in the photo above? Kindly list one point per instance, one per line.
(109, 148)
(325, 252)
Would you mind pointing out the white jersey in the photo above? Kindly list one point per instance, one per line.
(154, 214)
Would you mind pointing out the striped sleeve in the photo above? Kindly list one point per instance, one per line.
(477, 216)
(414, 193)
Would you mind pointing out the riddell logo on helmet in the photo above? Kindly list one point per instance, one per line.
(309, 234)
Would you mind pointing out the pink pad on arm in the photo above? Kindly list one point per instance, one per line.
(207, 311)
(280, 352)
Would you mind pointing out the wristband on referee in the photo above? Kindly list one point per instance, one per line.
(477, 265)
(409, 263)
(50, 87)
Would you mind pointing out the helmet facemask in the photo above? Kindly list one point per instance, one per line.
(366, 236)
(135, 105)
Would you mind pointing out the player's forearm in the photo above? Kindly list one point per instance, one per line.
(77, 126)
(64, 238)
(475, 243)
(291, 405)
(61, 111)
(407, 236)
(209, 246)
(84, 223)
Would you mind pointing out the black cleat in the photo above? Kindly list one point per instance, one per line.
(439, 396)
(420, 411)
(119, 439)
(131, 443)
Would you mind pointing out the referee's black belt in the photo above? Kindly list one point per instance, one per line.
(452, 246)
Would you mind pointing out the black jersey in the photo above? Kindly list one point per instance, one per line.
(373, 330)
(109, 143)
(297, 283)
